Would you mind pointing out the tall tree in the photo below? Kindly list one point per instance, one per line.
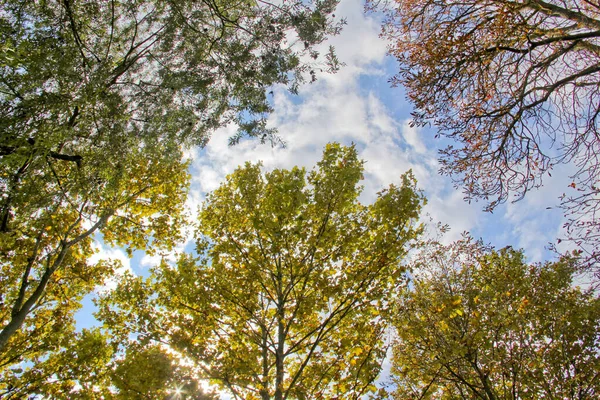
(44, 266)
(287, 296)
(97, 99)
(483, 324)
(516, 85)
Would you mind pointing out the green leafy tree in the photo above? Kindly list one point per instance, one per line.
(88, 357)
(483, 324)
(44, 268)
(287, 297)
(97, 101)
(152, 373)
(91, 366)
(515, 84)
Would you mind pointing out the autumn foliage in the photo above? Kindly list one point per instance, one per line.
(289, 295)
(480, 323)
(515, 84)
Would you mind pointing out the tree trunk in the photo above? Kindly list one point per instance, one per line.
(264, 391)
(279, 368)
(18, 318)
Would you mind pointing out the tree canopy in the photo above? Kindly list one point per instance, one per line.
(294, 276)
(516, 85)
(93, 367)
(98, 100)
(478, 323)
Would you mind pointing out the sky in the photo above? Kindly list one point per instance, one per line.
(357, 105)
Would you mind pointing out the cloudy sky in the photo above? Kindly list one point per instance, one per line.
(357, 105)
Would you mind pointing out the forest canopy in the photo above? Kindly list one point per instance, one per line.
(298, 288)
(288, 296)
(480, 323)
(98, 101)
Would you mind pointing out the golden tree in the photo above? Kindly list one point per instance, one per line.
(98, 101)
(478, 323)
(288, 295)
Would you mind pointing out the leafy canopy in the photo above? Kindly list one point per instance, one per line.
(483, 324)
(92, 367)
(98, 100)
(287, 297)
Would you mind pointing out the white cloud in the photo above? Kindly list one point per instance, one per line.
(103, 252)
(380, 118)
(359, 44)
(411, 135)
(451, 209)
(535, 220)
(150, 260)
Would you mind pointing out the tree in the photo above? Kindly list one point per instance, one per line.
(516, 85)
(98, 100)
(482, 324)
(92, 367)
(44, 259)
(88, 356)
(287, 297)
(151, 373)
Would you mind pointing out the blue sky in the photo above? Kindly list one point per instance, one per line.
(357, 105)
